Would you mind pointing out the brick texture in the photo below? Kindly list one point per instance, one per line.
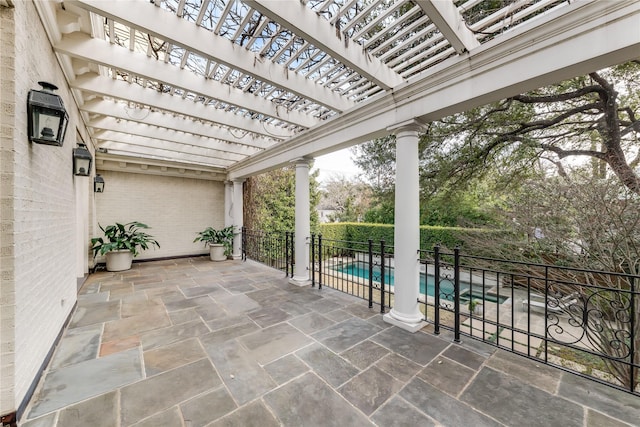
(176, 208)
(38, 210)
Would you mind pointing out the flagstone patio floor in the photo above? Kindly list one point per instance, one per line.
(190, 342)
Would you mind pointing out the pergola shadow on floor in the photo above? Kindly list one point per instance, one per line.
(190, 342)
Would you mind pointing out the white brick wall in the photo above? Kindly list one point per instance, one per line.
(176, 208)
(38, 215)
(7, 288)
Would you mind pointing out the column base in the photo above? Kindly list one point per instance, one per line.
(300, 281)
(236, 257)
(410, 325)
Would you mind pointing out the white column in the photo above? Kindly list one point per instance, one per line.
(303, 226)
(238, 221)
(406, 313)
(228, 203)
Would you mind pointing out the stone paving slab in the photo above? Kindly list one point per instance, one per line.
(155, 318)
(447, 375)
(602, 398)
(348, 333)
(79, 344)
(274, 342)
(316, 404)
(365, 354)
(465, 357)
(398, 367)
(397, 412)
(160, 337)
(419, 347)
(254, 414)
(286, 368)
(311, 322)
(100, 411)
(242, 375)
(171, 356)
(529, 371)
(154, 394)
(506, 398)
(208, 407)
(377, 385)
(443, 408)
(95, 312)
(328, 365)
(89, 378)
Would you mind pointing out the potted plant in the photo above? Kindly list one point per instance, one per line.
(220, 241)
(475, 306)
(121, 244)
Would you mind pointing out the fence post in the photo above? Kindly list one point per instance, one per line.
(244, 243)
(456, 294)
(436, 290)
(633, 326)
(319, 261)
(370, 273)
(382, 310)
(546, 321)
(313, 260)
(292, 245)
(286, 254)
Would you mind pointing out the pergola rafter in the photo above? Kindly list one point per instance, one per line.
(257, 82)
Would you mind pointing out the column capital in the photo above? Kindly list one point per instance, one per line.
(238, 180)
(409, 125)
(301, 161)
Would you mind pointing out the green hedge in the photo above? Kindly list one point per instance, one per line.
(430, 236)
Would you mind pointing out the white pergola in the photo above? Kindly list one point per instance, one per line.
(235, 88)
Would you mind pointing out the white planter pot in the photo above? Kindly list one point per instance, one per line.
(216, 252)
(119, 260)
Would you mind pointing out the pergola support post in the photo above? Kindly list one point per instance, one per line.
(303, 225)
(238, 221)
(405, 312)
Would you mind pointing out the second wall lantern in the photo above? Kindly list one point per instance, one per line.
(98, 184)
(81, 160)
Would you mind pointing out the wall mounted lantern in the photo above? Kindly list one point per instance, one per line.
(81, 160)
(47, 117)
(98, 184)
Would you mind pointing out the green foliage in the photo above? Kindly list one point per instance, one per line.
(270, 200)
(224, 236)
(382, 213)
(123, 236)
(430, 236)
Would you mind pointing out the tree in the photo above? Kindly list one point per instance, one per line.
(439, 204)
(269, 202)
(592, 225)
(589, 117)
(349, 199)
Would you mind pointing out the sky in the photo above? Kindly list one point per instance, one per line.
(336, 164)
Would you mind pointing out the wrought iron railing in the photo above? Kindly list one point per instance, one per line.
(274, 249)
(582, 321)
(362, 269)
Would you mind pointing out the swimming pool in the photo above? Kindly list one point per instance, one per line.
(427, 283)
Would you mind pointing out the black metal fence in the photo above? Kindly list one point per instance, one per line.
(582, 321)
(274, 249)
(362, 269)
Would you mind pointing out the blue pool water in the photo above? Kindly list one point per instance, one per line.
(427, 282)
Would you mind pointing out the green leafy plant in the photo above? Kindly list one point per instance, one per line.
(473, 303)
(224, 236)
(123, 236)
